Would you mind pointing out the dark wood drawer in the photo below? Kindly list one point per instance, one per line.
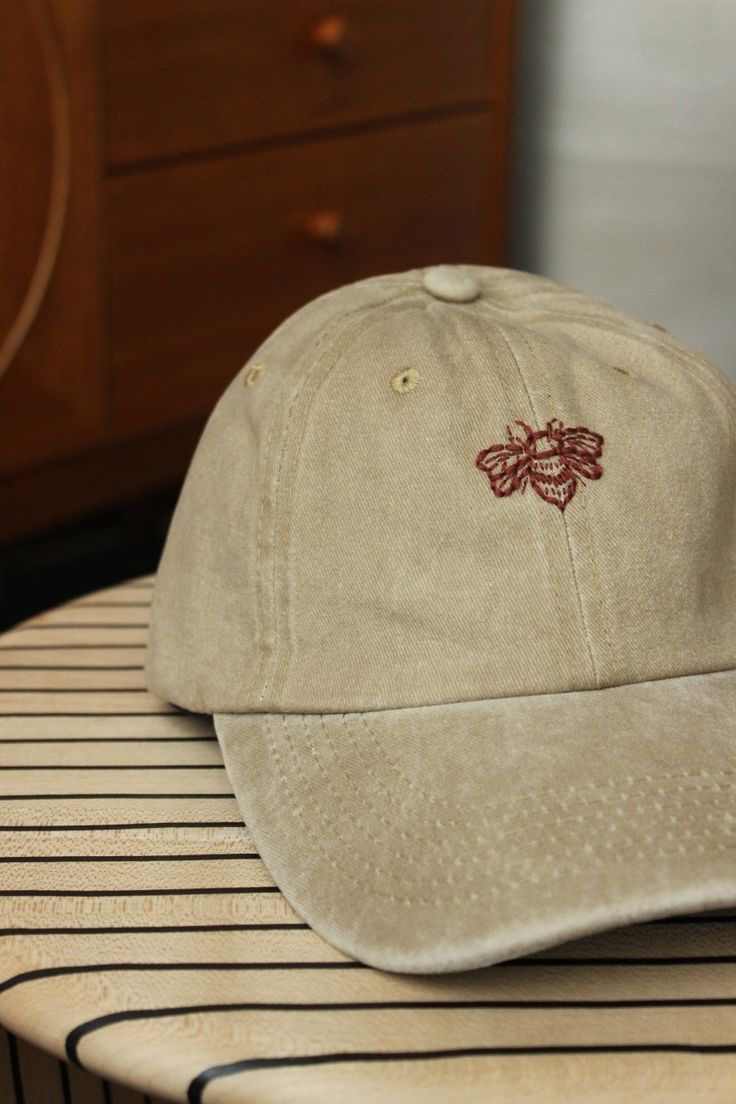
(189, 75)
(207, 258)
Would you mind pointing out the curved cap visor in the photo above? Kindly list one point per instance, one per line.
(450, 837)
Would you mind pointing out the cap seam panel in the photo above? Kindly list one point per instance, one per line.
(706, 374)
(604, 608)
(314, 349)
(715, 381)
(583, 620)
(372, 310)
(506, 386)
(483, 306)
(604, 618)
(259, 557)
(694, 367)
(703, 673)
(337, 349)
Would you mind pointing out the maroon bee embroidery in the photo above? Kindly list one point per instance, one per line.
(552, 459)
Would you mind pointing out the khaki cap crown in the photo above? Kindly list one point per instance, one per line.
(336, 547)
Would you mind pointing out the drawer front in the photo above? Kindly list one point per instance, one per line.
(188, 75)
(206, 259)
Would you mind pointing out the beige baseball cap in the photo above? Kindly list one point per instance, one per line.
(454, 568)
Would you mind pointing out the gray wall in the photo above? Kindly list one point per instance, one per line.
(625, 161)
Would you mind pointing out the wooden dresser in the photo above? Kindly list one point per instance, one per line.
(182, 174)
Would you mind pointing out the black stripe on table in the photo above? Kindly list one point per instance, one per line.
(202, 891)
(138, 929)
(66, 1094)
(82, 625)
(179, 857)
(202, 1080)
(104, 796)
(98, 1023)
(73, 667)
(15, 1068)
(350, 964)
(110, 929)
(68, 647)
(164, 967)
(128, 825)
(109, 739)
(112, 766)
(118, 712)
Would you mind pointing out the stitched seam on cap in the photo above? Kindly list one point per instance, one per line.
(538, 829)
(491, 890)
(349, 333)
(337, 350)
(602, 792)
(505, 385)
(604, 620)
(314, 349)
(306, 709)
(261, 613)
(583, 619)
(259, 557)
(538, 832)
(533, 800)
(319, 350)
(602, 606)
(604, 613)
(481, 308)
(712, 379)
(610, 787)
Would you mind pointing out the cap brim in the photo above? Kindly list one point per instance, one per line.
(454, 836)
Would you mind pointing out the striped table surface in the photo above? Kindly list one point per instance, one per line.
(143, 942)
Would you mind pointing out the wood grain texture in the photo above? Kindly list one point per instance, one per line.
(32, 1076)
(54, 387)
(309, 145)
(172, 66)
(26, 139)
(115, 473)
(197, 285)
(142, 939)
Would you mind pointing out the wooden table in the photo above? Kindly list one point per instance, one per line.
(143, 941)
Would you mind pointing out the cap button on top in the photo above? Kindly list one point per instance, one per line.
(451, 283)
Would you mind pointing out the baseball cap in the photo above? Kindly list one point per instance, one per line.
(454, 570)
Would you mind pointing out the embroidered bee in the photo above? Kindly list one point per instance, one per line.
(553, 460)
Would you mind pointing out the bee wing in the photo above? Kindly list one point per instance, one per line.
(506, 467)
(581, 449)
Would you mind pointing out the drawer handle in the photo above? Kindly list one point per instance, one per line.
(325, 226)
(329, 35)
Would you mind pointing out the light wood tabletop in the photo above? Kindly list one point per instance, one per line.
(143, 942)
